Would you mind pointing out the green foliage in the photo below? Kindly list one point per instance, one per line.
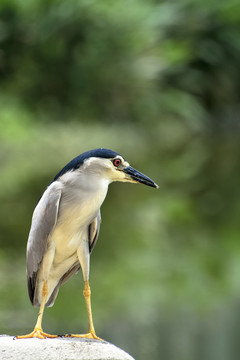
(157, 81)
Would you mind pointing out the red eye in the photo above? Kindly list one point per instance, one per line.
(116, 162)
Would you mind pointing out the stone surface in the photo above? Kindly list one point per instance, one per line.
(59, 349)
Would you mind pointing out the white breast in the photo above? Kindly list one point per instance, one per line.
(78, 207)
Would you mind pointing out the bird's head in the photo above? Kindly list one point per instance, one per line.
(102, 164)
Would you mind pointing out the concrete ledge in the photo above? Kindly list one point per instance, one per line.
(59, 349)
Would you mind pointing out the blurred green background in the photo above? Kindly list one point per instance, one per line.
(158, 82)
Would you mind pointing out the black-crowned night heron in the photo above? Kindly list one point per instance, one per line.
(65, 227)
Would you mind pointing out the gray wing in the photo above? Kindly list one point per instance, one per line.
(43, 222)
(94, 229)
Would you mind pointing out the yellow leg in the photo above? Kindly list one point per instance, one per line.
(91, 331)
(38, 332)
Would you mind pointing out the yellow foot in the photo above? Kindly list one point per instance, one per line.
(90, 335)
(36, 333)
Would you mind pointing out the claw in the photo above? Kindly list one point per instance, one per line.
(90, 335)
(36, 333)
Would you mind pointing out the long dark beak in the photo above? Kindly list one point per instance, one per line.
(139, 177)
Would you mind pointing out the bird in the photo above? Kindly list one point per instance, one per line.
(65, 227)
